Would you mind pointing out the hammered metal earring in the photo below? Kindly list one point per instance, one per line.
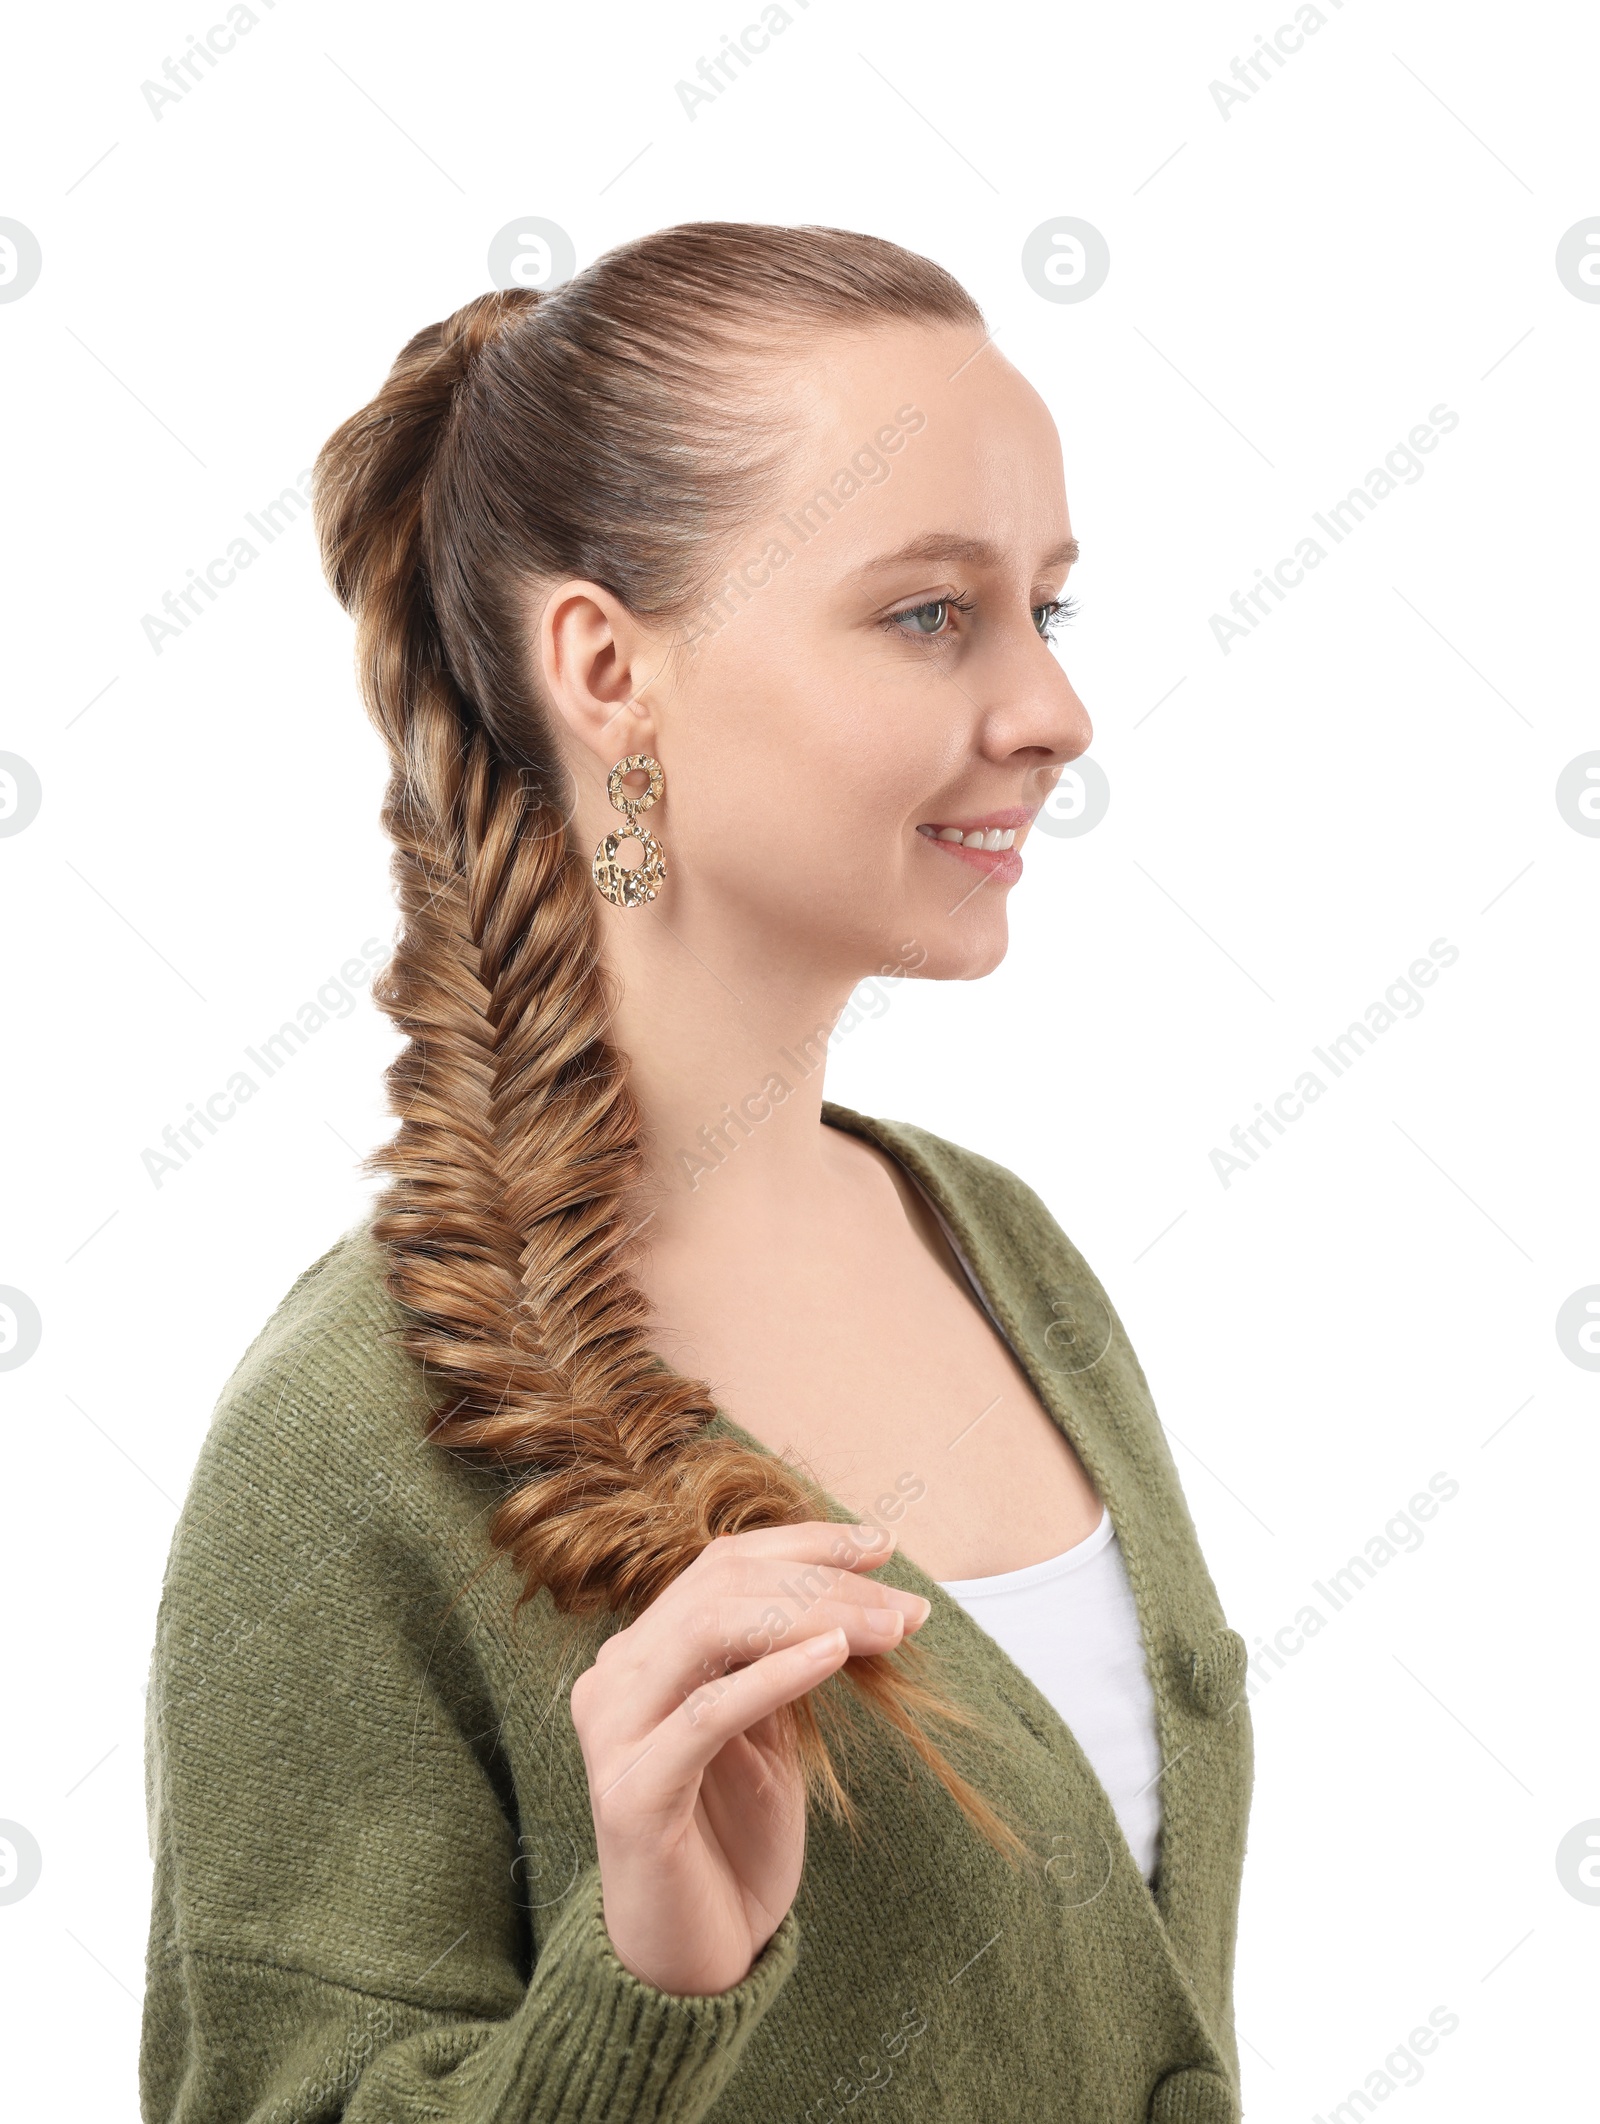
(624, 886)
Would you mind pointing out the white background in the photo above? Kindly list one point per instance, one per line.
(1292, 288)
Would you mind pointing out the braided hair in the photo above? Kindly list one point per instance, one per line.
(526, 439)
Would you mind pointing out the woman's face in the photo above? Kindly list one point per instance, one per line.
(870, 677)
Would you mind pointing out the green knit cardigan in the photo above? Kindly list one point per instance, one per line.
(376, 1894)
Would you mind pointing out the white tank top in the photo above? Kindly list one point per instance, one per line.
(1071, 1625)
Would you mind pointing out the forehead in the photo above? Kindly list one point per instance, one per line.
(933, 425)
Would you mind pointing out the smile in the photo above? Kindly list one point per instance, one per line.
(990, 837)
(988, 844)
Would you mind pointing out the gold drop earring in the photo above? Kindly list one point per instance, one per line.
(624, 886)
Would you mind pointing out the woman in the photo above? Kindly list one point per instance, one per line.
(689, 1613)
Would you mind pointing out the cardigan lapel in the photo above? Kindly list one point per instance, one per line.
(1067, 1338)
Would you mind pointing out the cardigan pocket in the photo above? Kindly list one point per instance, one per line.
(1215, 1672)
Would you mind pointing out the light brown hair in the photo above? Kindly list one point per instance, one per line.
(621, 429)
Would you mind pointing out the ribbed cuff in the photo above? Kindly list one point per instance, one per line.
(602, 2047)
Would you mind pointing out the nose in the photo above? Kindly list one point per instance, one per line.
(1034, 709)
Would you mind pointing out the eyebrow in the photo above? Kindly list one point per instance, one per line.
(975, 552)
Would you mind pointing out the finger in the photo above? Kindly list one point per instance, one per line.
(844, 1543)
(790, 1567)
(643, 1672)
(673, 1756)
(673, 1646)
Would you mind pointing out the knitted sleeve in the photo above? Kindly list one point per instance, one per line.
(360, 1911)
(227, 2038)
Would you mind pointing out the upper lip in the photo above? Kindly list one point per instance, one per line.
(1013, 815)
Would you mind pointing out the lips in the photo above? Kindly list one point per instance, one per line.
(987, 844)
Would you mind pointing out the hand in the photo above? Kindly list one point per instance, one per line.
(699, 1820)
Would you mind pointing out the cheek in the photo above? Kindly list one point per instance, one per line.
(819, 773)
(800, 768)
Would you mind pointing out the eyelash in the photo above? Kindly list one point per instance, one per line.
(1057, 611)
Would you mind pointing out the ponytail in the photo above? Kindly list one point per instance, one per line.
(523, 438)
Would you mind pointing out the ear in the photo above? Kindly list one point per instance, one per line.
(594, 663)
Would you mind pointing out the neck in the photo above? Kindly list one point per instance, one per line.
(727, 1047)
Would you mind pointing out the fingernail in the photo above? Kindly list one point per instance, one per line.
(869, 1537)
(825, 1646)
(916, 1621)
(888, 1622)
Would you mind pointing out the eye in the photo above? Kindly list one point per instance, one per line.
(930, 619)
(1049, 617)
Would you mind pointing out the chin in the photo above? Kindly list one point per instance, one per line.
(964, 957)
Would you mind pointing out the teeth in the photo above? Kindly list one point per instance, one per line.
(991, 839)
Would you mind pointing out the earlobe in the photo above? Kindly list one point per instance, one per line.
(593, 665)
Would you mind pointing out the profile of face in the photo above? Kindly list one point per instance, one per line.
(869, 684)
